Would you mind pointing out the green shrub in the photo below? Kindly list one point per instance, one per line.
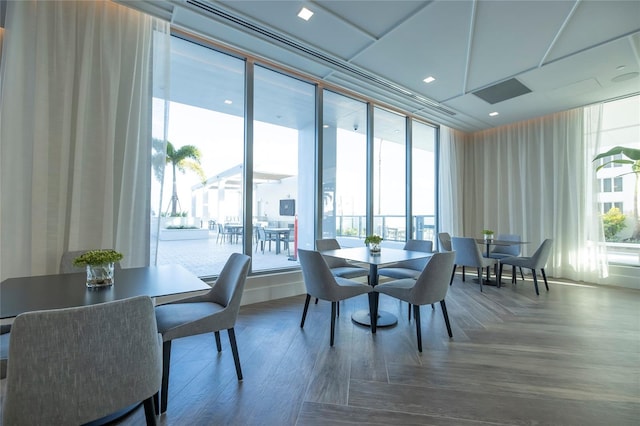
(613, 222)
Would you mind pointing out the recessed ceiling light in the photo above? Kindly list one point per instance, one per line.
(493, 114)
(305, 14)
(326, 126)
(620, 67)
(429, 79)
(228, 101)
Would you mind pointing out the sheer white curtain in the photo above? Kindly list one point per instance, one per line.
(75, 132)
(534, 178)
(451, 170)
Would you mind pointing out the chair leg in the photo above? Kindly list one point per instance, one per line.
(521, 274)
(535, 281)
(480, 280)
(234, 350)
(416, 313)
(150, 411)
(338, 309)
(218, 343)
(316, 300)
(306, 307)
(166, 362)
(463, 273)
(333, 322)
(500, 275)
(409, 312)
(453, 274)
(513, 275)
(545, 279)
(446, 317)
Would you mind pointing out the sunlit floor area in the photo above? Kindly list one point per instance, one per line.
(570, 356)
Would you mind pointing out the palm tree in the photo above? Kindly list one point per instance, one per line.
(185, 158)
(632, 159)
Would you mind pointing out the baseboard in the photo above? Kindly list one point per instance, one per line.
(262, 288)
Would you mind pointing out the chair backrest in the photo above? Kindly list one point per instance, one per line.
(327, 244)
(513, 250)
(331, 244)
(75, 365)
(228, 288)
(467, 252)
(317, 276)
(416, 245)
(261, 234)
(66, 262)
(540, 257)
(445, 240)
(433, 283)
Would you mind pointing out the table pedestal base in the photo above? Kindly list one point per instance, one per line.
(385, 319)
(492, 283)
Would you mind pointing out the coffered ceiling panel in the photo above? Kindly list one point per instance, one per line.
(570, 53)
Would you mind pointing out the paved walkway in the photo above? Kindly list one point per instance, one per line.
(206, 257)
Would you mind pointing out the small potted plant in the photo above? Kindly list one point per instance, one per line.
(100, 265)
(488, 234)
(373, 241)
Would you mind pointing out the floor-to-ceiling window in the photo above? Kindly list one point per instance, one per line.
(283, 167)
(389, 175)
(423, 181)
(242, 171)
(200, 211)
(344, 176)
(619, 186)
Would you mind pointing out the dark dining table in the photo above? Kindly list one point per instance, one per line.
(24, 294)
(384, 257)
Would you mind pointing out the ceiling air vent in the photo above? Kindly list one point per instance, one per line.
(502, 91)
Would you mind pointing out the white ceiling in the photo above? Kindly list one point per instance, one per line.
(570, 53)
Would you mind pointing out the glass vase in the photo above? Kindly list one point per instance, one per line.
(100, 275)
(374, 247)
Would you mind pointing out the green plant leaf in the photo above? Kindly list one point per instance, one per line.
(631, 153)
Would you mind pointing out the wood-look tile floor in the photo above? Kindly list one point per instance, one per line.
(570, 356)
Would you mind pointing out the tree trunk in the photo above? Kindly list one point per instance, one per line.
(636, 211)
(174, 195)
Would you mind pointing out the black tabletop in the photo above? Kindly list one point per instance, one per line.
(26, 294)
(385, 256)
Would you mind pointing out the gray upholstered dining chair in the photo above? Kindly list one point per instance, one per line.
(409, 268)
(339, 267)
(322, 284)
(445, 241)
(4, 348)
(430, 287)
(501, 252)
(535, 262)
(468, 254)
(208, 313)
(76, 365)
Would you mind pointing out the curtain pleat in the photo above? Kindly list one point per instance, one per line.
(535, 178)
(75, 128)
